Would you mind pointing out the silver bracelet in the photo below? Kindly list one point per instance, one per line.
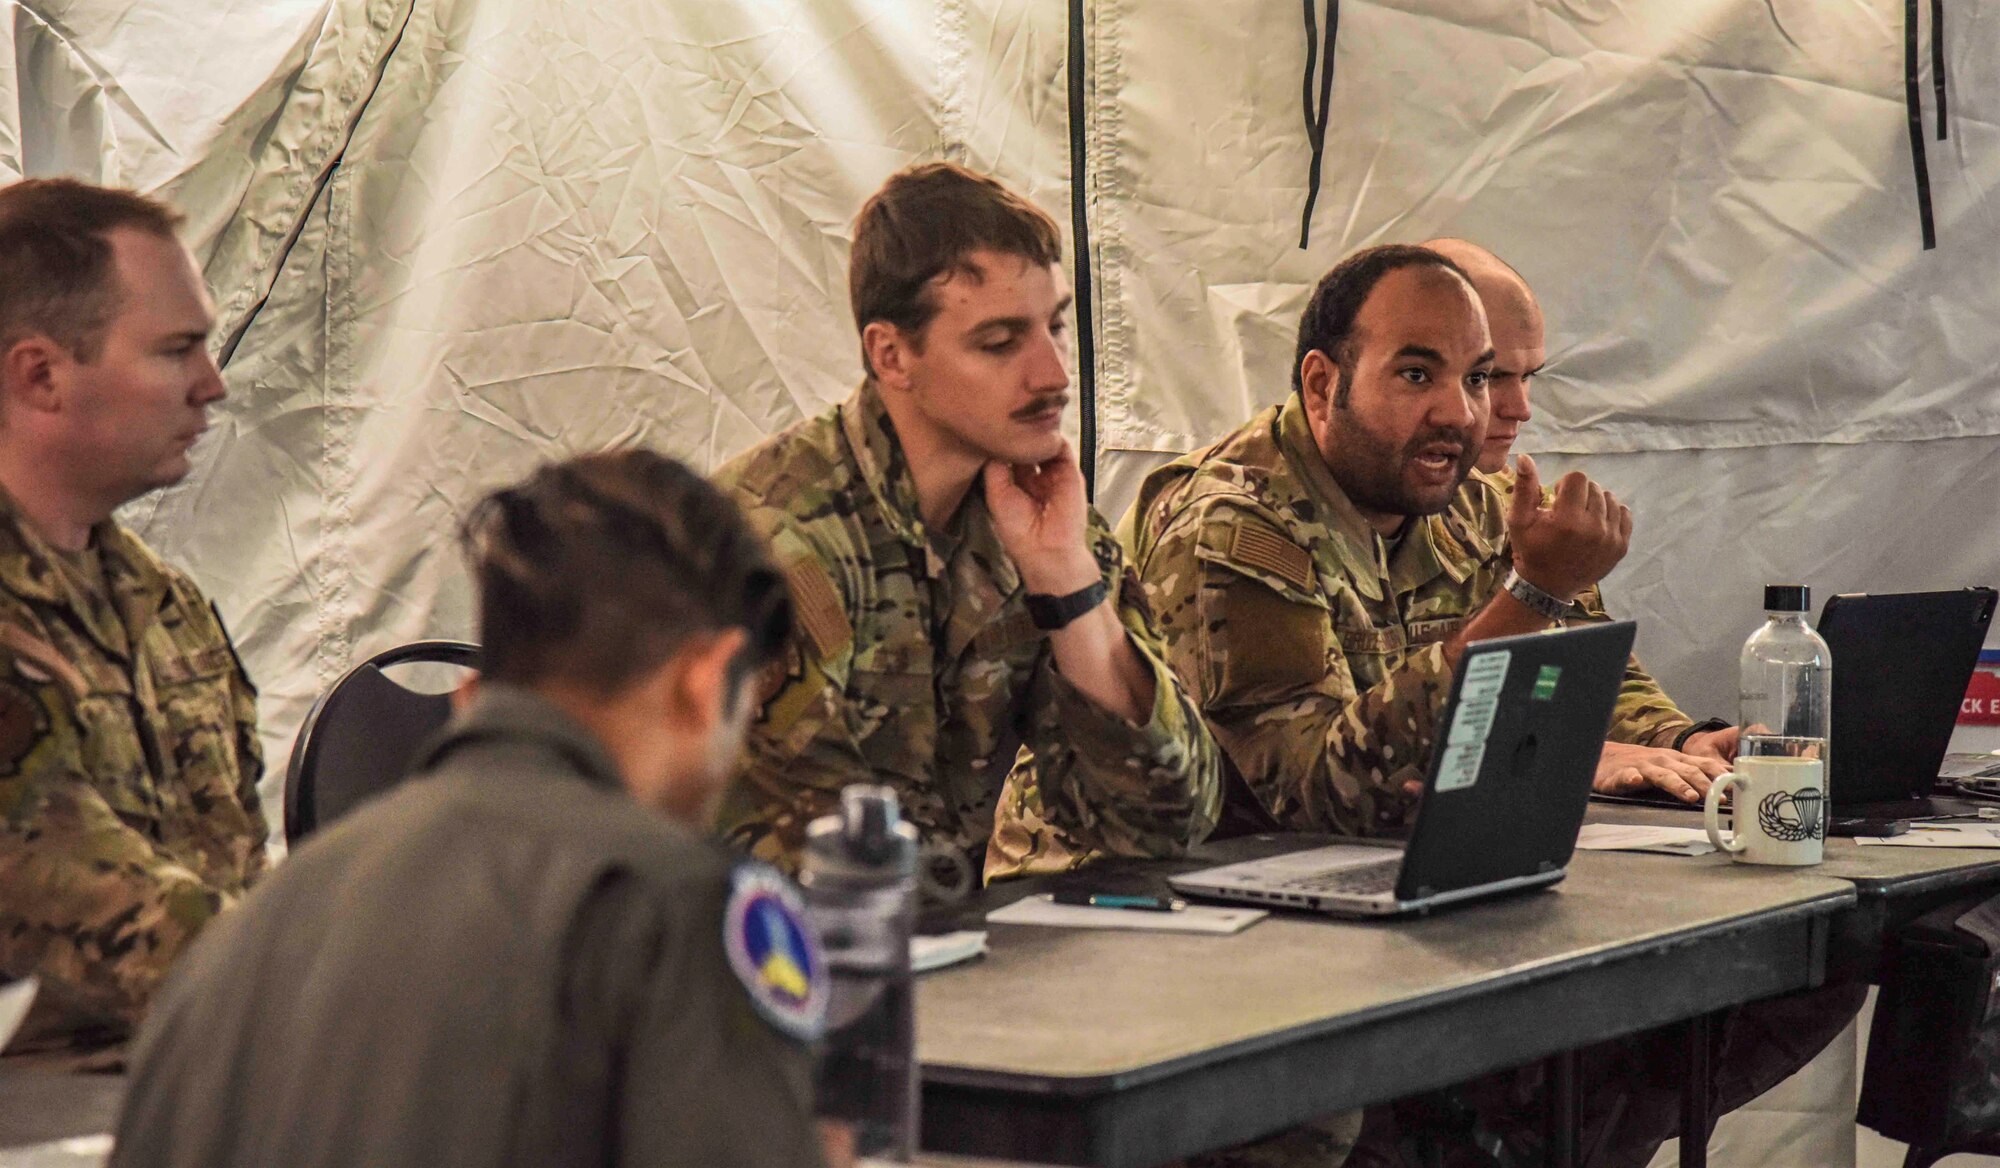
(1535, 599)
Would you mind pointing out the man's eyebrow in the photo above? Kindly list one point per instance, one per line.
(1420, 352)
(189, 336)
(1486, 358)
(1008, 323)
(1062, 305)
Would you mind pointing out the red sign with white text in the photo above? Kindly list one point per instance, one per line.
(1981, 706)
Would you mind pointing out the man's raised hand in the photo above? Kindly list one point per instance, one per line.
(1572, 543)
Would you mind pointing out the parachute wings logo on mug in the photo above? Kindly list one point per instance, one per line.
(1793, 816)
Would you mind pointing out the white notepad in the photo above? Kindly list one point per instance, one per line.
(936, 952)
(1195, 918)
(1622, 837)
(15, 998)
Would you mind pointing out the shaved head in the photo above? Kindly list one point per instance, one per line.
(1501, 289)
(1519, 341)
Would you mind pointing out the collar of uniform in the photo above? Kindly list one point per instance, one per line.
(978, 571)
(1419, 558)
(138, 581)
(879, 457)
(1360, 545)
(510, 713)
(27, 564)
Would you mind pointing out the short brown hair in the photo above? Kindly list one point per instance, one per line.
(597, 570)
(922, 224)
(56, 264)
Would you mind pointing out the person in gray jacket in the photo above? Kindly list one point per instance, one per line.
(529, 953)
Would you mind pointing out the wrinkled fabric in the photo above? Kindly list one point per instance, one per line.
(129, 763)
(1713, 200)
(917, 666)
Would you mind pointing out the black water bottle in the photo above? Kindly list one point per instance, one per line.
(859, 876)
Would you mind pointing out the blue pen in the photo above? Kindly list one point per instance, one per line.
(1113, 900)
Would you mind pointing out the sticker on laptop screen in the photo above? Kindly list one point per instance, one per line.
(1472, 720)
(1545, 683)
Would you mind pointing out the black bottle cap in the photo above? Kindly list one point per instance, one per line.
(1787, 598)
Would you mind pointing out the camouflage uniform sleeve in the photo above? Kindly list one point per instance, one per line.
(1250, 629)
(1147, 790)
(92, 908)
(800, 750)
(1645, 715)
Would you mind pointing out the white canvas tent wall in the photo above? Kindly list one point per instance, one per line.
(451, 238)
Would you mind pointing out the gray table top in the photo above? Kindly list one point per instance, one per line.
(1874, 871)
(40, 1106)
(1113, 1009)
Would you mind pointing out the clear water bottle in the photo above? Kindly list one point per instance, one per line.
(1787, 681)
(859, 876)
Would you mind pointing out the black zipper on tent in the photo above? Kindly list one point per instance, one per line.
(227, 351)
(1079, 220)
(1937, 63)
(1317, 111)
(1913, 97)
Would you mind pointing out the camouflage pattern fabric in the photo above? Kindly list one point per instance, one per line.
(917, 666)
(1312, 643)
(128, 778)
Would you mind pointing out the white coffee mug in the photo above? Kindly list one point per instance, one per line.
(1780, 810)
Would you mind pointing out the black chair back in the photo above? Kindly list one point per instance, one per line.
(361, 736)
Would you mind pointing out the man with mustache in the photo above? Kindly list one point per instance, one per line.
(958, 599)
(128, 732)
(1317, 574)
(1319, 571)
(1653, 745)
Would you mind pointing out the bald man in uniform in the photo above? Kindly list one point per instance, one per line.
(1652, 744)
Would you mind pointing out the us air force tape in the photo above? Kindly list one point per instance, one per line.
(773, 953)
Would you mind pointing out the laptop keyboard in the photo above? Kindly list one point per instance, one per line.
(1364, 880)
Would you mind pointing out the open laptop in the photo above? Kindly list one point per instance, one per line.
(1901, 662)
(1503, 798)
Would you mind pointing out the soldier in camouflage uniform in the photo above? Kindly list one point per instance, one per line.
(128, 747)
(963, 611)
(1652, 743)
(1317, 573)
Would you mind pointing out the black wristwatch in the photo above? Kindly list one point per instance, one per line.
(1053, 612)
(1680, 740)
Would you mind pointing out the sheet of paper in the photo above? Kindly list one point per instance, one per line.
(928, 953)
(1620, 837)
(15, 998)
(1195, 918)
(75, 1152)
(1940, 835)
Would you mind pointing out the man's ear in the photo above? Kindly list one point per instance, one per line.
(700, 695)
(889, 352)
(1318, 376)
(32, 372)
